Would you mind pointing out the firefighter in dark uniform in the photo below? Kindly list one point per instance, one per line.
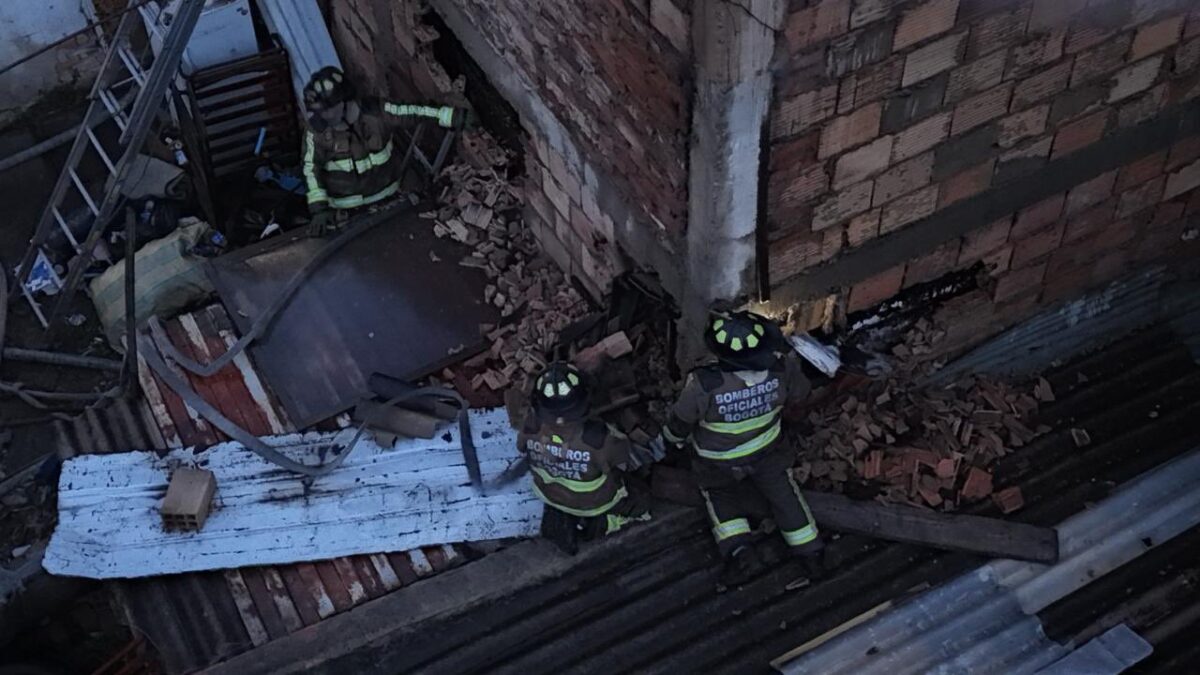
(574, 460)
(350, 159)
(731, 412)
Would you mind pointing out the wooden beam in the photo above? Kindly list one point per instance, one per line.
(956, 532)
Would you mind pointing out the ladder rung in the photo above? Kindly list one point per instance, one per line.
(131, 65)
(100, 151)
(114, 108)
(35, 306)
(87, 197)
(62, 225)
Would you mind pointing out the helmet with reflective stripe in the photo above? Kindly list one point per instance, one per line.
(326, 88)
(561, 390)
(743, 340)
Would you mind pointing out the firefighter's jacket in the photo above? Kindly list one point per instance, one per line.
(574, 464)
(355, 162)
(732, 417)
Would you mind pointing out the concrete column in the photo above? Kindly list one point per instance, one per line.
(733, 42)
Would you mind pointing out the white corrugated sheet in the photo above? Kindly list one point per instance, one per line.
(416, 493)
(304, 35)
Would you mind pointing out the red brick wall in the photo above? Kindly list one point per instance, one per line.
(887, 112)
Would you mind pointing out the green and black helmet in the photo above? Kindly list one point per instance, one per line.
(743, 340)
(326, 88)
(561, 391)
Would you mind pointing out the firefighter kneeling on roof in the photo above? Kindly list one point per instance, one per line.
(575, 462)
(732, 411)
(350, 159)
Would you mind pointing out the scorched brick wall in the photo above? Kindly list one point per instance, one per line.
(900, 121)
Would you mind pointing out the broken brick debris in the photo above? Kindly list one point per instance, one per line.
(1009, 499)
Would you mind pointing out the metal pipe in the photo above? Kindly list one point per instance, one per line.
(60, 359)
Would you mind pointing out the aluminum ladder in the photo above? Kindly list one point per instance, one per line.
(129, 94)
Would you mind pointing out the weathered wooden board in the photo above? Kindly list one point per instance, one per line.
(413, 494)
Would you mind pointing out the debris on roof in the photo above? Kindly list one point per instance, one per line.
(413, 494)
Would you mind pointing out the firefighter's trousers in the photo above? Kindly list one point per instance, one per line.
(735, 494)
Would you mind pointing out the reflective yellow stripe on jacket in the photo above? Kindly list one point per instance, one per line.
(355, 201)
(363, 165)
(748, 448)
(316, 193)
(572, 485)
(443, 114)
(735, 428)
(584, 513)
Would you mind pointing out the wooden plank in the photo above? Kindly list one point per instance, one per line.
(282, 598)
(383, 567)
(332, 581)
(956, 532)
(304, 600)
(420, 562)
(350, 580)
(831, 633)
(245, 605)
(403, 566)
(315, 588)
(366, 573)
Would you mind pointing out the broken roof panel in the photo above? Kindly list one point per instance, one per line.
(416, 493)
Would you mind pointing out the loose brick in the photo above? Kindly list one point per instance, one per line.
(984, 240)
(903, 179)
(906, 107)
(921, 137)
(1140, 198)
(1073, 103)
(1035, 245)
(557, 196)
(672, 23)
(1030, 56)
(978, 75)
(856, 165)
(938, 262)
(932, 59)
(1042, 85)
(1019, 282)
(1155, 37)
(1080, 134)
(848, 131)
(1134, 79)
(1140, 171)
(804, 110)
(816, 23)
(874, 82)
(842, 205)
(1028, 124)
(965, 184)
(863, 228)
(997, 32)
(908, 209)
(874, 290)
(968, 150)
(1187, 178)
(858, 49)
(864, 12)
(1091, 221)
(1101, 60)
(1090, 193)
(981, 109)
(1036, 217)
(1183, 152)
(924, 21)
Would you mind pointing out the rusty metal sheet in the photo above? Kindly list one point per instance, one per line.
(381, 304)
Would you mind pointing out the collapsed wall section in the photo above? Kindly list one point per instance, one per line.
(1055, 141)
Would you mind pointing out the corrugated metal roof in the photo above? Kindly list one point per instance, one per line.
(304, 35)
(194, 620)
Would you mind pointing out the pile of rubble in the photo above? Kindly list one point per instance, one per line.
(480, 206)
(930, 446)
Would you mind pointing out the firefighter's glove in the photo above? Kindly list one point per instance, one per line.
(322, 222)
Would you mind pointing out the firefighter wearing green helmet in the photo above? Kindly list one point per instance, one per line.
(350, 159)
(575, 462)
(730, 412)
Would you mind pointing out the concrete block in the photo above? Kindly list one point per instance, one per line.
(921, 136)
(1135, 79)
(188, 500)
(908, 209)
(980, 109)
(924, 21)
(978, 75)
(860, 164)
(810, 183)
(877, 81)
(1041, 85)
(848, 131)
(934, 58)
(1155, 37)
(863, 228)
(843, 205)
(1079, 134)
(803, 110)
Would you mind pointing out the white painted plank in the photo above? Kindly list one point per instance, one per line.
(417, 494)
(283, 601)
(383, 567)
(245, 605)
